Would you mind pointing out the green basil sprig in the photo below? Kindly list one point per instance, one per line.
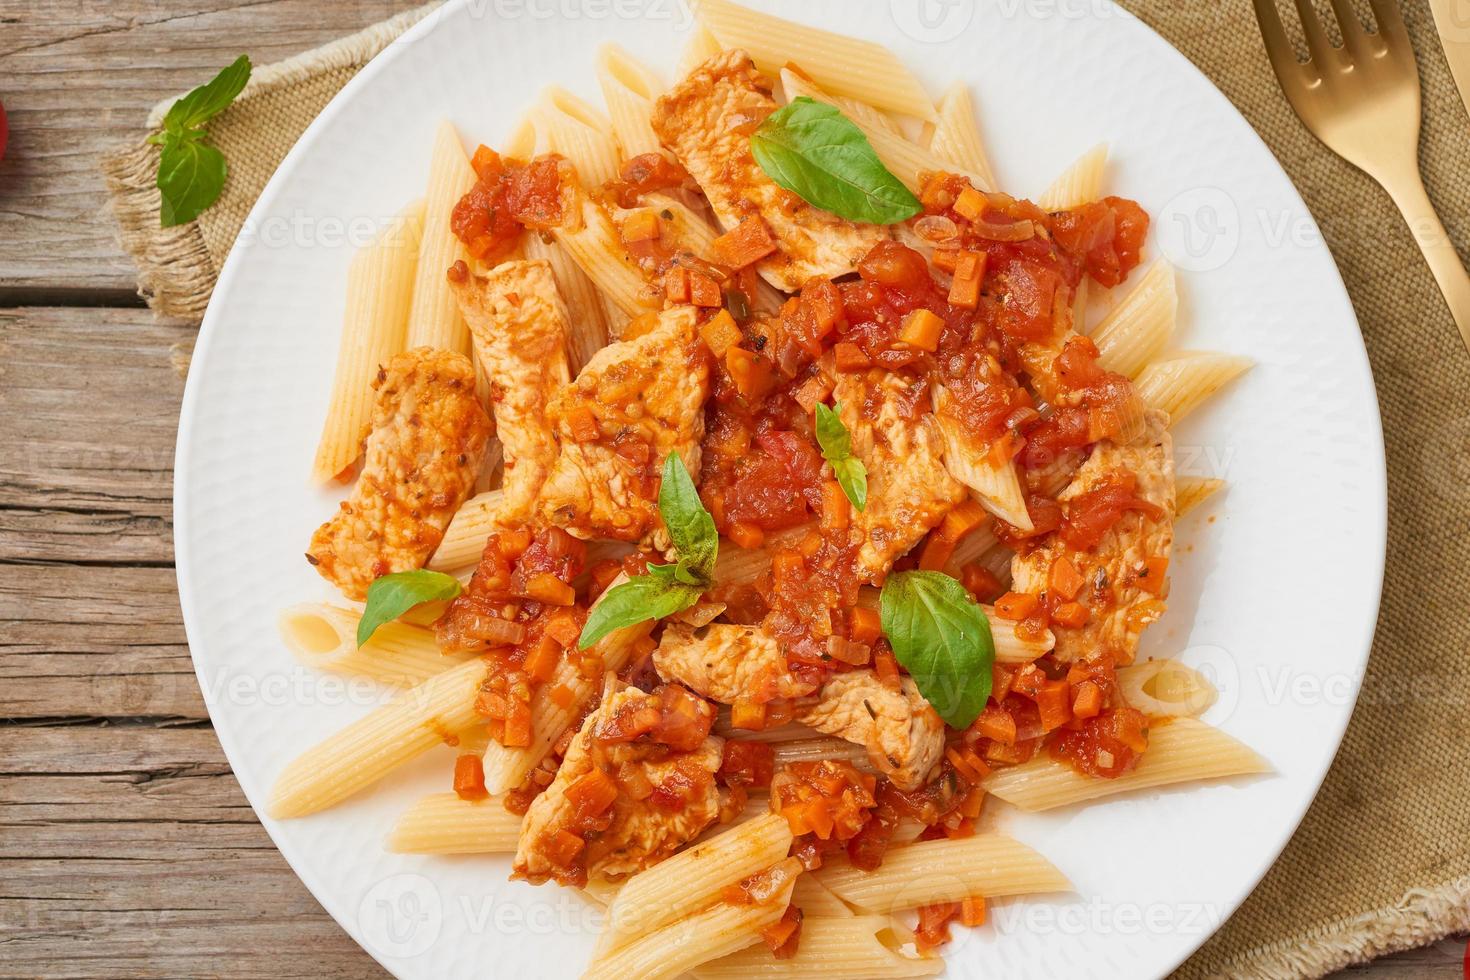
(942, 638)
(390, 596)
(191, 173)
(666, 589)
(836, 443)
(815, 152)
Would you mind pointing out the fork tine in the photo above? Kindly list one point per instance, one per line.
(1278, 45)
(1318, 46)
(1390, 22)
(1354, 38)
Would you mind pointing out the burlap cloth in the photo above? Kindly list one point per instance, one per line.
(1382, 861)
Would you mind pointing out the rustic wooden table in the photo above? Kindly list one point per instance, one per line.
(128, 848)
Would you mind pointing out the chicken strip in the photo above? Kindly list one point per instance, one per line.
(904, 736)
(635, 402)
(1115, 570)
(520, 327)
(706, 121)
(909, 488)
(727, 663)
(578, 829)
(429, 433)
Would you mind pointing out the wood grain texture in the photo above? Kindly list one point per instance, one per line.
(79, 76)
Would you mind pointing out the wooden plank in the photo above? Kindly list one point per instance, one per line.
(132, 852)
(79, 79)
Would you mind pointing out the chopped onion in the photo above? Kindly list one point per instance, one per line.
(845, 650)
(937, 229)
(493, 630)
(1017, 231)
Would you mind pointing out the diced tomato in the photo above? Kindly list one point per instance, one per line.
(469, 778)
(747, 763)
(1091, 514)
(644, 174)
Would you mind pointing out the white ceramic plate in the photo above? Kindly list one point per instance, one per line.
(1276, 583)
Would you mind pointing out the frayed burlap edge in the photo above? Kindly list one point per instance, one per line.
(1422, 916)
(176, 275)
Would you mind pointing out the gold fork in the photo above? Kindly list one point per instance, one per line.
(1362, 100)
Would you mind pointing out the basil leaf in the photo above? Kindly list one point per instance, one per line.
(817, 153)
(642, 597)
(390, 596)
(209, 99)
(943, 638)
(191, 175)
(691, 527)
(836, 443)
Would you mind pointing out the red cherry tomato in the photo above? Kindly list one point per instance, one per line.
(4, 131)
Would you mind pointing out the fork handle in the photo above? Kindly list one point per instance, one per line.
(1407, 191)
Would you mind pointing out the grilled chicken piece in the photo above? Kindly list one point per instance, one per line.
(706, 121)
(429, 433)
(637, 833)
(1119, 609)
(519, 326)
(635, 402)
(727, 663)
(904, 736)
(909, 488)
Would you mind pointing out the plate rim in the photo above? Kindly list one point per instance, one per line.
(333, 904)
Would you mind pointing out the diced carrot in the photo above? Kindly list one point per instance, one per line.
(921, 329)
(748, 715)
(937, 549)
(850, 357)
(1029, 681)
(813, 391)
(967, 764)
(1087, 700)
(996, 723)
(583, 424)
(1001, 679)
(752, 374)
(1016, 606)
(836, 511)
(704, 291)
(748, 242)
(979, 581)
(469, 778)
(641, 226)
(947, 259)
(1152, 581)
(720, 333)
(592, 794)
(562, 696)
(676, 284)
(546, 587)
(1054, 702)
(972, 911)
(542, 660)
(745, 535)
(963, 519)
(1004, 449)
(969, 275)
(810, 544)
(563, 847)
(970, 204)
(787, 568)
(974, 800)
(1064, 579)
(823, 300)
(867, 625)
(517, 725)
(563, 628)
(1072, 615)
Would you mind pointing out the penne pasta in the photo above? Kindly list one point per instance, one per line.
(325, 637)
(926, 872)
(815, 899)
(701, 47)
(956, 138)
(374, 328)
(442, 823)
(681, 946)
(841, 65)
(1138, 329)
(1182, 382)
(434, 319)
(820, 747)
(588, 327)
(506, 767)
(1181, 750)
(371, 747)
(524, 141)
(1191, 491)
(1166, 689)
(1079, 184)
(464, 538)
(593, 243)
(578, 132)
(904, 158)
(851, 947)
(692, 880)
(629, 90)
(997, 488)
